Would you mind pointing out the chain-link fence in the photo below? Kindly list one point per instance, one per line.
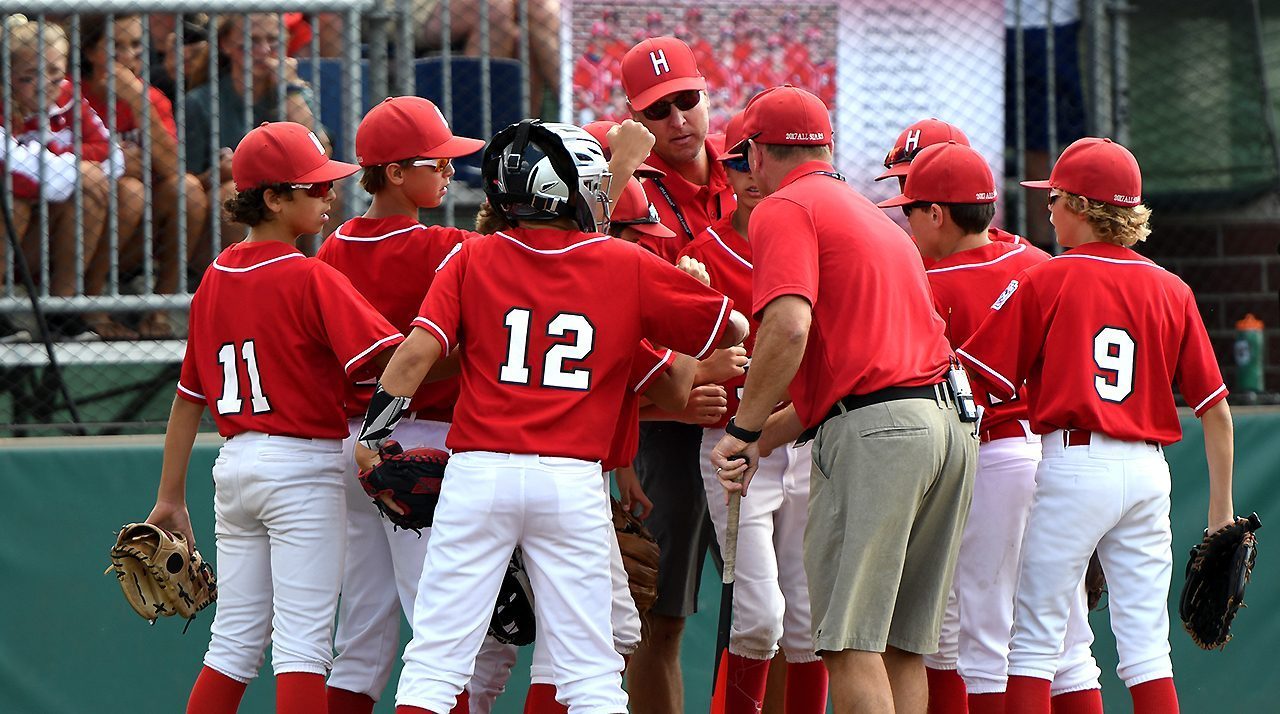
(119, 124)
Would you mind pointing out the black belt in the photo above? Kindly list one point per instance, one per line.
(888, 394)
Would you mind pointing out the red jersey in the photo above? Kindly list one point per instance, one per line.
(128, 126)
(545, 362)
(1099, 334)
(391, 262)
(649, 364)
(727, 256)
(686, 208)
(874, 325)
(964, 286)
(274, 338)
(28, 146)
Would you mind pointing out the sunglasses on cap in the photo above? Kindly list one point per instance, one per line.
(644, 220)
(684, 101)
(900, 155)
(741, 165)
(440, 165)
(314, 190)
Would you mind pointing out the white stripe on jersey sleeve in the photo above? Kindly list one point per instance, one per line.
(1209, 398)
(424, 322)
(184, 390)
(978, 363)
(347, 367)
(644, 382)
(724, 307)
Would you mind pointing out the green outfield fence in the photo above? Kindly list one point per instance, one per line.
(70, 643)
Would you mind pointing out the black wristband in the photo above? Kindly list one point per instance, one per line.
(741, 434)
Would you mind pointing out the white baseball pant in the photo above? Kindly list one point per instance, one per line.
(979, 617)
(280, 559)
(367, 638)
(555, 510)
(1112, 495)
(771, 590)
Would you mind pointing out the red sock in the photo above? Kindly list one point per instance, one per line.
(946, 691)
(1027, 695)
(1085, 701)
(745, 680)
(541, 699)
(215, 693)
(462, 705)
(300, 693)
(806, 688)
(342, 701)
(1155, 697)
(986, 703)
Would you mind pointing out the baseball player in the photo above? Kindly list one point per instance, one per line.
(1098, 334)
(771, 599)
(544, 363)
(949, 199)
(274, 338)
(405, 147)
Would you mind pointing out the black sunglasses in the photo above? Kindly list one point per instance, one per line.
(907, 209)
(1053, 198)
(314, 190)
(741, 165)
(899, 154)
(684, 101)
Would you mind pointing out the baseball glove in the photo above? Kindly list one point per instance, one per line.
(1217, 573)
(513, 622)
(159, 575)
(1095, 582)
(412, 478)
(639, 556)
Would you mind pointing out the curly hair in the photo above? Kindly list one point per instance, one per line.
(1124, 226)
(490, 219)
(249, 208)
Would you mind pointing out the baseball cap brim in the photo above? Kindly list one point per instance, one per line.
(642, 101)
(329, 171)
(455, 147)
(657, 230)
(740, 148)
(1036, 184)
(899, 169)
(896, 201)
(645, 171)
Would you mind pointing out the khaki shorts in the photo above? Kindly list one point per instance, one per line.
(889, 496)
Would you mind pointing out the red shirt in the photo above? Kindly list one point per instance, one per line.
(965, 285)
(546, 361)
(1099, 334)
(649, 364)
(874, 325)
(727, 256)
(391, 262)
(95, 146)
(698, 206)
(274, 338)
(129, 126)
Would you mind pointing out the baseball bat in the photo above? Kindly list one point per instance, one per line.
(730, 556)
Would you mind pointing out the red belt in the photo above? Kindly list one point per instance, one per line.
(1008, 430)
(1080, 437)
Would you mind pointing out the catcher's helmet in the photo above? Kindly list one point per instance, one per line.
(538, 172)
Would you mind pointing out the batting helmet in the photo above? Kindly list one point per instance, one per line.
(513, 622)
(538, 172)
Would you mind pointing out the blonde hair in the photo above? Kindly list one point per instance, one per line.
(23, 35)
(1124, 226)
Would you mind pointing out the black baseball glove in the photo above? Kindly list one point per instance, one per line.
(1217, 574)
(412, 479)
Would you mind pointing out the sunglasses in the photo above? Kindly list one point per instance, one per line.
(907, 209)
(684, 101)
(741, 165)
(314, 190)
(1053, 198)
(899, 154)
(440, 165)
(646, 220)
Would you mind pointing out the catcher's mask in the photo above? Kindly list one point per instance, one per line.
(537, 172)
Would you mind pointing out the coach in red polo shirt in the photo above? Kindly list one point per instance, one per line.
(847, 328)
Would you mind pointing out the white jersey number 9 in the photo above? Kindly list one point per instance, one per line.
(516, 369)
(230, 401)
(1114, 355)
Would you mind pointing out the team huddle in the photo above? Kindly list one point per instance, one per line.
(931, 435)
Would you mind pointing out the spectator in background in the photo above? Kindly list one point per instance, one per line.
(168, 188)
(44, 167)
(165, 29)
(263, 55)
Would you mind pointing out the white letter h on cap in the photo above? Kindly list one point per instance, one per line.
(659, 60)
(913, 141)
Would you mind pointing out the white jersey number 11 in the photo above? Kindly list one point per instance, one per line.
(230, 401)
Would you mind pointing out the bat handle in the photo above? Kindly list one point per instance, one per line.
(730, 554)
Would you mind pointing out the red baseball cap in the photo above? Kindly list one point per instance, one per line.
(1099, 169)
(408, 128)
(733, 138)
(283, 152)
(947, 173)
(925, 132)
(656, 67)
(600, 131)
(784, 115)
(634, 211)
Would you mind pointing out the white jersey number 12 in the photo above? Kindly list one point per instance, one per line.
(1114, 354)
(516, 370)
